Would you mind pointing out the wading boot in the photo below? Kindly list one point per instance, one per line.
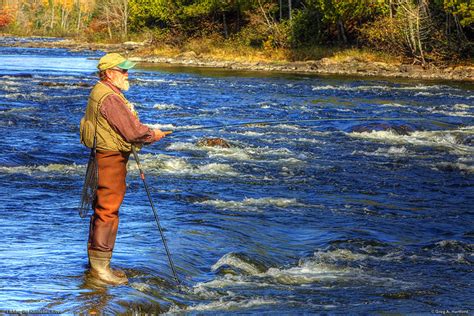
(117, 272)
(100, 268)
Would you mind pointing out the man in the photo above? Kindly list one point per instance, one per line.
(112, 126)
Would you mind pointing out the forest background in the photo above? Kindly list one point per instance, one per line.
(418, 31)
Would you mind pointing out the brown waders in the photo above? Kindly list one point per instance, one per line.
(112, 167)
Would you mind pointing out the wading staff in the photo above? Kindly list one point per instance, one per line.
(142, 175)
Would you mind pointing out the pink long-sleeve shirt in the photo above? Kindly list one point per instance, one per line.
(122, 121)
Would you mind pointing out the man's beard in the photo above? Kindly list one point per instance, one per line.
(122, 83)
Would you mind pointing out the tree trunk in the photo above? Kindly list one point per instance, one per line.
(63, 17)
(238, 15)
(52, 17)
(420, 46)
(226, 34)
(281, 10)
(289, 9)
(125, 18)
(342, 32)
(79, 19)
(107, 16)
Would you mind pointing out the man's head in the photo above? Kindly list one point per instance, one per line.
(114, 67)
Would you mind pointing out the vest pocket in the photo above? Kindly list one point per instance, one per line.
(87, 130)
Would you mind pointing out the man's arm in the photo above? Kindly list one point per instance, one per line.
(121, 119)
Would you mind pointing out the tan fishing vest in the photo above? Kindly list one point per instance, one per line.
(94, 125)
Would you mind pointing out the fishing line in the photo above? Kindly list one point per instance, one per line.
(275, 122)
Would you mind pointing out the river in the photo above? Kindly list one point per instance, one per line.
(346, 216)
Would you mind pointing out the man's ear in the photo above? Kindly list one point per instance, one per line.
(108, 74)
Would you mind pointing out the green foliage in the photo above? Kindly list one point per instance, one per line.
(150, 13)
(447, 26)
(463, 9)
(383, 34)
(307, 28)
(343, 17)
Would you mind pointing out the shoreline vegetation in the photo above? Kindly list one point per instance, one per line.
(350, 62)
(422, 39)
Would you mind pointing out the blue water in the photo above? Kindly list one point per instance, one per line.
(345, 216)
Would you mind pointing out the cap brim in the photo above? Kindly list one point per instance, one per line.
(126, 64)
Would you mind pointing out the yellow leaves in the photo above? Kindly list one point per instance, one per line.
(86, 5)
(66, 4)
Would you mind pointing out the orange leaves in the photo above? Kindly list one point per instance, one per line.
(6, 17)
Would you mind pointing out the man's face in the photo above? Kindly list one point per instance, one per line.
(119, 78)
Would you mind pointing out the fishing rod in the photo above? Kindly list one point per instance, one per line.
(273, 122)
(142, 176)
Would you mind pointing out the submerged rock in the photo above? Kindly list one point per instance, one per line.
(213, 142)
(396, 129)
(62, 84)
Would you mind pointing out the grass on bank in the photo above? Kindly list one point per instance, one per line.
(219, 49)
(208, 48)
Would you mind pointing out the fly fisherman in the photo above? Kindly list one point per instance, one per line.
(111, 125)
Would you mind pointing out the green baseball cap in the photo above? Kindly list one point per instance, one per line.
(115, 60)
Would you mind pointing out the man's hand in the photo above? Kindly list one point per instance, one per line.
(160, 134)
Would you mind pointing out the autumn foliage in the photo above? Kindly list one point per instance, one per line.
(6, 17)
(418, 29)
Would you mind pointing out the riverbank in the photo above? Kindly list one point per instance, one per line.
(336, 65)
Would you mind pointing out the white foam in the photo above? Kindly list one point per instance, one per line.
(300, 139)
(462, 106)
(392, 151)
(320, 268)
(253, 205)
(139, 286)
(172, 127)
(231, 259)
(264, 151)
(213, 152)
(307, 273)
(459, 109)
(290, 161)
(239, 153)
(55, 168)
(323, 267)
(162, 126)
(165, 106)
(437, 139)
(457, 166)
(25, 109)
(396, 105)
(216, 169)
(376, 87)
(11, 83)
(143, 80)
(234, 153)
(310, 140)
(250, 133)
(10, 89)
(180, 166)
(233, 304)
(288, 127)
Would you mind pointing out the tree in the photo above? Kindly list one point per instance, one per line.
(113, 14)
(416, 26)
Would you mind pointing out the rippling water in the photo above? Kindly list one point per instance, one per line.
(329, 216)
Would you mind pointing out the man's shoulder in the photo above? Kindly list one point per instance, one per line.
(101, 91)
